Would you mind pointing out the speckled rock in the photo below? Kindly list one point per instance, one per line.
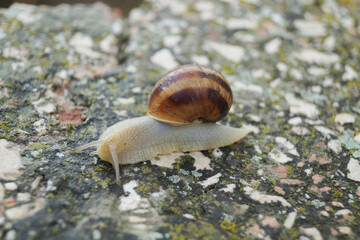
(69, 72)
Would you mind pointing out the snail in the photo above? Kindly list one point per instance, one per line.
(182, 110)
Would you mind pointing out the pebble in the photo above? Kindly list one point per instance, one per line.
(233, 53)
(10, 152)
(109, 44)
(40, 127)
(299, 106)
(96, 234)
(344, 230)
(295, 121)
(315, 56)
(272, 46)
(335, 146)
(217, 153)
(354, 170)
(310, 28)
(278, 156)
(171, 41)
(344, 118)
(349, 74)
(165, 59)
(11, 186)
(188, 216)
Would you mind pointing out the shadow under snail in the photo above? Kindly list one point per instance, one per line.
(182, 110)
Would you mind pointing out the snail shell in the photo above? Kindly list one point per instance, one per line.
(190, 94)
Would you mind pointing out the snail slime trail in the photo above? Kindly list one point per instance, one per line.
(182, 112)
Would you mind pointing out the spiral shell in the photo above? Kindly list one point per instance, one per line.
(190, 94)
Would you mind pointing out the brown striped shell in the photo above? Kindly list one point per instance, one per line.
(190, 94)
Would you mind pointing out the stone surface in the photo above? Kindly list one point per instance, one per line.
(69, 72)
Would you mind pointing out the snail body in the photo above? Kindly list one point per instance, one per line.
(140, 139)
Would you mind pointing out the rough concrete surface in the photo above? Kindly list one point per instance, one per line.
(69, 72)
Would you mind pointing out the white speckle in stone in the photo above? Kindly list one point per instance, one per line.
(96, 235)
(349, 74)
(254, 118)
(335, 146)
(217, 153)
(252, 128)
(295, 121)
(330, 43)
(201, 162)
(233, 53)
(282, 67)
(171, 41)
(316, 89)
(23, 197)
(229, 188)
(300, 131)
(290, 220)
(166, 160)
(314, 232)
(263, 198)
(10, 235)
(299, 106)
(344, 118)
(40, 127)
(310, 28)
(211, 180)
(132, 200)
(83, 44)
(42, 107)
(278, 156)
(325, 131)
(11, 186)
(50, 186)
(315, 56)
(357, 138)
(60, 155)
(248, 87)
(354, 170)
(188, 216)
(315, 71)
(126, 101)
(165, 59)
(295, 73)
(283, 142)
(25, 210)
(2, 193)
(81, 40)
(201, 60)
(206, 9)
(273, 46)
(260, 73)
(324, 213)
(9, 152)
(117, 26)
(109, 44)
(241, 23)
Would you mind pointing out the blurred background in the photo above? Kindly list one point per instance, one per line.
(124, 5)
